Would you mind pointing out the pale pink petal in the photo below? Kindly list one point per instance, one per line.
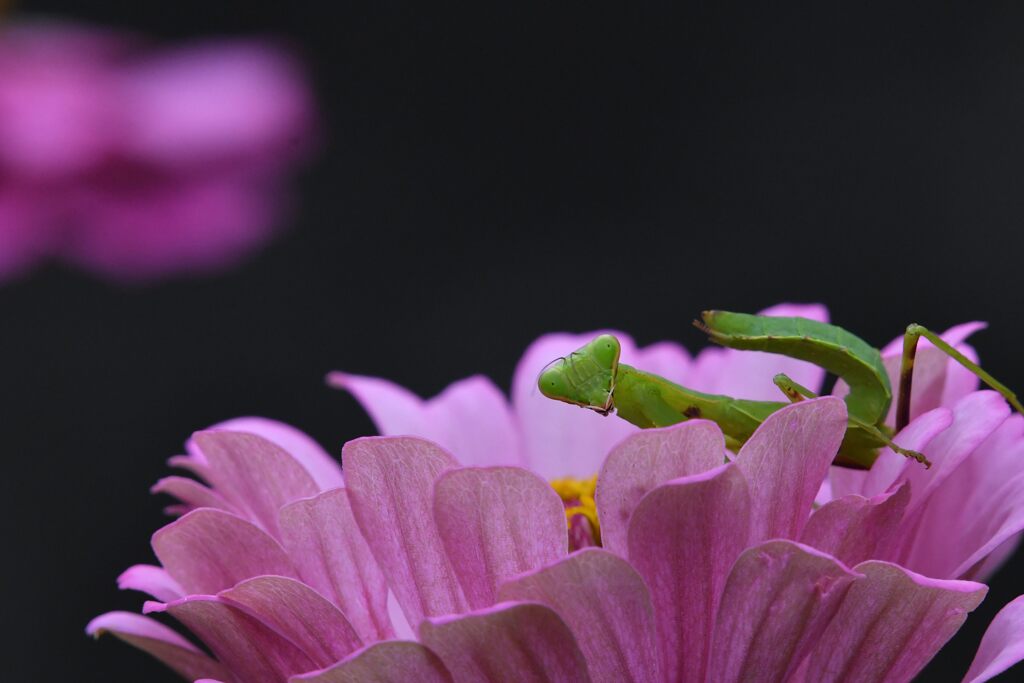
(324, 541)
(779, 597)
(509, 642)
(251, 649)
(606, 606)
(192, 494)
(394, 661)
(1002, 646)
(152, 580)
(646, 459)
(853, 528)
(497, 522)
(998, 521)
(683, 539)
(748, 374)
(298, 613)
(665, 359)
(559, 439)
(391, 483)
(209, 550)
(891, 623)
(159, 641)
(471, 418)
(324, 469)
(785, 462)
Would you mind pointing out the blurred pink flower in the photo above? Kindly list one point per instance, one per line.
(138, 163)
(416, 566)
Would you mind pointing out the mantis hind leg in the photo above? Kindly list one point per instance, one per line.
(910, 338)
(796, 393)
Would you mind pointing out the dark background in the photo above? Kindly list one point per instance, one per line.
(497, 171)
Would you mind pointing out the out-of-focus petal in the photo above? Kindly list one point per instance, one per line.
(1002, 646)
(497, 522)
(471, 418)
(890, 624)
(853, 528)
(331, 555)
(779, 597)
(256, 475)
(999, 520)
(643, 461)
(159, 641)
(607, 607)
(560, 439)
(393, 661)
(192, 494)
(298, 613)
(683, 539)
(252, 650)
(152, 580)
(785, 461)
(748, 374)
(391, 485)
(326, 472)
(209, 550)
(507, 643)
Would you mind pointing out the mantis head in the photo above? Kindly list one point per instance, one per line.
(586, 377)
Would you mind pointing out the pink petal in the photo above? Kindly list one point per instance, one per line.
(748, 374)
(159, 641)
(252, 650)
(324, 541)
(779, 597)
(559, 439)
(394, 661)
(497, 522)
(471, 418)
(209, 550)
(298, 613)
(513, 642)
(255, 474)
(191, 493)
(324, 469)
(391, 482)
(606, 606)
(785, 462)
(1002, 646)
(683, 539)
(645, 460)
(891, 623)
(998, 521)
(853, 528)
(153, 580)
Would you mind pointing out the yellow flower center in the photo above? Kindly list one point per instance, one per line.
(578, 497)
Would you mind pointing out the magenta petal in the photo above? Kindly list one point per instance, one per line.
(643, 461)
(299, 613)
(152, 580)
(497, 522)
(324, 541)
(607, 607)
(209, 550)
(159, 641)
(779, 597)
(256, 475)
(785, 462)
(683, 539)
(394, 661)
(324, 469)
(509, 642)
(890, 624)
(253, 651)
(1002, 646)
(853, 528)
(391, 486)
(191, 493)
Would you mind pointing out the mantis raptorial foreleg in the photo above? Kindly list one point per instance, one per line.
(910, 338)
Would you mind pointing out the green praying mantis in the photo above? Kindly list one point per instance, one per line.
(592, 377)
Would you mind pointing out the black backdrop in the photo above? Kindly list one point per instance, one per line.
(493, 172)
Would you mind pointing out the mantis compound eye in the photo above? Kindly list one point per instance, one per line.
(553, 383)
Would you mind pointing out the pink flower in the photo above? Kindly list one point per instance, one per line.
(708, 571)
(138, 163)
